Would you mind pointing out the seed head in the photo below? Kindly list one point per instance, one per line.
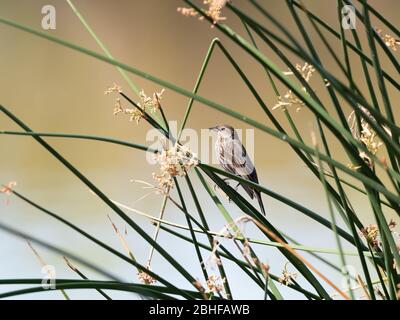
(146, 278)
(389, 41)
(290, 99)
(287, 277)
(114, 89)
(214, 10)
(174, 162)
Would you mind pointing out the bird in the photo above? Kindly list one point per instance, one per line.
(233, 158)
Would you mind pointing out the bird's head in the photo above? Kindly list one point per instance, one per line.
(223, 130)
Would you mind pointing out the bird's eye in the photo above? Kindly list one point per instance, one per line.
(223, 129)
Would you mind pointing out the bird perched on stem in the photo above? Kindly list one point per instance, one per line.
(233, 158)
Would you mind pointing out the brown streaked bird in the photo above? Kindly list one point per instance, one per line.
(233, 158)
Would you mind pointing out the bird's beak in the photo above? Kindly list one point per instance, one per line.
(213, 128)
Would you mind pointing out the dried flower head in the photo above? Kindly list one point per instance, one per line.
(215, 284)
(368, 137)
(365, 134)
(118, 107)
(152, 103)
(372, 236)
(290, 99)
(287, 277)
(145, 103)
(7, 190)
(175, 161)
(306, 71)
(389, 41)
(214, 10)
(371, 233)
(157, 96)
(187, 12)
(114, 89)
(146, 278)
(135, 114)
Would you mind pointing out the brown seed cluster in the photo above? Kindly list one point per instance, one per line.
(289, 99)
(145, 104)
(366, 134)
(7, 190)
(174, 162)
(371, 234)
(213, 10)
(146, 278)
(287, 277)
(215, 284)
(389, 41)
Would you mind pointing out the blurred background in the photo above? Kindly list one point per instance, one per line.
(55, 89)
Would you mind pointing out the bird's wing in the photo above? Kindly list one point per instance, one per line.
(241, 161)
(234, 159)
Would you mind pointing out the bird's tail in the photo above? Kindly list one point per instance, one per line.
(260, 202)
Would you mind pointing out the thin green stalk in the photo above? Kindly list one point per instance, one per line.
(133, 145)
(133, 86)
(238, 236)
(104, 198)
(133, 262)
(350, 216)
(251, 211)
(347, 94)
(192, 233)
(344, 47)
(210, 239)
(12, 231)
(338, 242)
(157, 230)
(81, 136)
(356, 50)
(235, 229)
(338, 201)
(382, 18)
(170, 85)
(277, 94)
(148, 291)
(363, 18)
(353, 153)
(198, 82)
(242, 264)
(77, 271)
(385, 231)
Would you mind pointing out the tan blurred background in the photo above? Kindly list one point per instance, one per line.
(55, 89)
